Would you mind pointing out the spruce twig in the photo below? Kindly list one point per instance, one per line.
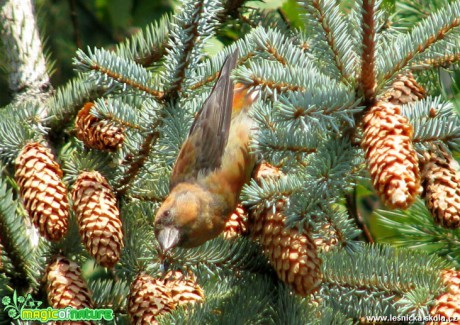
(436, 62)
(136, 165)
(368, 75)
(179, 73)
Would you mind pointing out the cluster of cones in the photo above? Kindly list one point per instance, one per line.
(44, 196)
(397, 173)
(149, 296)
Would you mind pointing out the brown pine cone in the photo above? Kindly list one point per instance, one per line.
(448, 304)
(452, 279)
(266, 171)
(327, 239)
(96, 133)
(98, 217)
(291, 252)
(237, 223)
(184, 288)
(65, 287)
(43, 193)
(148, 298)
(390, 155)
(405, 89)
(441, 186)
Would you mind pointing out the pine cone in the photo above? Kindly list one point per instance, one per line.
(65, 287)
(148, 298)
(452, 279)
(327, 238)
(390, 156)
(98, 217)
(184, 288)
(43, 193)
(96, 133)
(441, 187)
(291, 252)
(405, 89)
(237, 224)
(448, 304)
(266, 171)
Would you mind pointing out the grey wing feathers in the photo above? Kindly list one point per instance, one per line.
(213, 120)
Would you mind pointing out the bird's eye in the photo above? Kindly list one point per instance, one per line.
(166, 214)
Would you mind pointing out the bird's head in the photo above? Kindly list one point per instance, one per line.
(182, 218)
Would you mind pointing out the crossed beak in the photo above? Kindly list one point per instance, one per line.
(168, 238)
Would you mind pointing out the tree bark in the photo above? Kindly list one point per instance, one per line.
(28, 79)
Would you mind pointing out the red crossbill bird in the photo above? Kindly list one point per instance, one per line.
(212, 166)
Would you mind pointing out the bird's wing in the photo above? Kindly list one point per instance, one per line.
(205, 144)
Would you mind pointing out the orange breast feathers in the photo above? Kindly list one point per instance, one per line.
(237, 161)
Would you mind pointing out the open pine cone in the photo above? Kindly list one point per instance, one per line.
(43, 193)
(98, 217)
(390, 155)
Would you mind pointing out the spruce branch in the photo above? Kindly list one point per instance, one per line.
(380, 278)
(108, 293)
(148, 45)
(269, 191)
(28, 76)
(436, 62)
(406, 47)
(208, 71)
(107, 68)
(416, 229)
(255, 294)
(368, 34)
(141, 246)
(121, 113)
(145, 47)
(433, 120)
(20, 242)
(316, 108)
(329, 26)
(274, 78)
(68, 99)
(192, 27)
(136, 164)
(222, 256)
(19, 124)
(280, 47)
